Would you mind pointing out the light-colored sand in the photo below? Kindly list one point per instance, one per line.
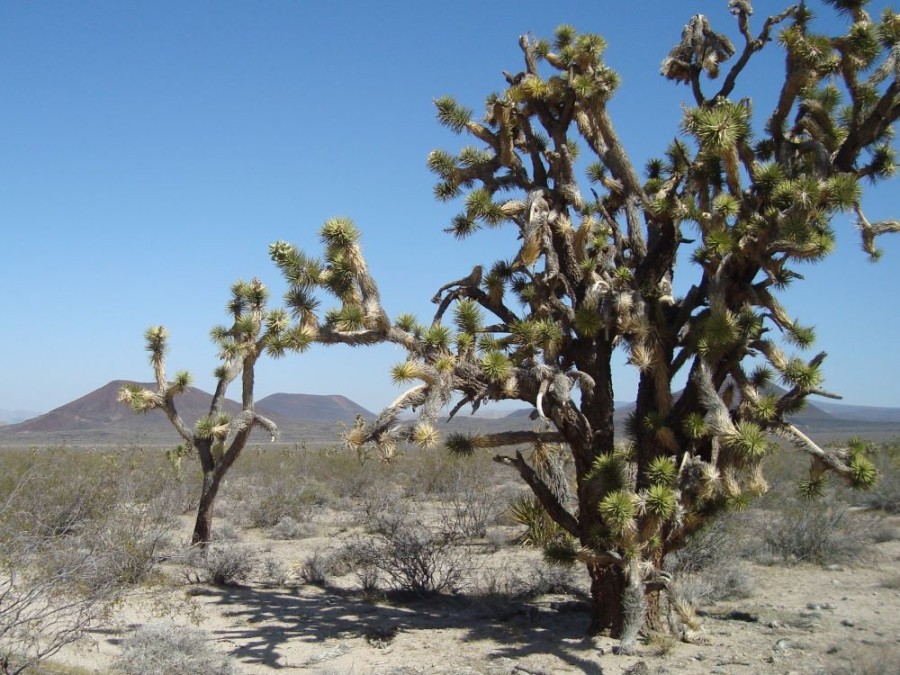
(801, 619)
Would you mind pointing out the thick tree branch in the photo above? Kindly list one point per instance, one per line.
(548, 500)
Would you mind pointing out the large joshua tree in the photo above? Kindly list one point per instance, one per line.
(744, 196)
(218, 437)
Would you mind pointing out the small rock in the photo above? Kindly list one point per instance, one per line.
(848, 622)
(784, 644)
(835, 568)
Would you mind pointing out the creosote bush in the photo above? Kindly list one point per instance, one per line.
(409, 557)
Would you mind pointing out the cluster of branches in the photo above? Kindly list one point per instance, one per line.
(594, 270)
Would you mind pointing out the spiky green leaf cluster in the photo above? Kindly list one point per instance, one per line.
(461, 445)
(618, 510)
(798, 373)
(660, 501)
(750, 441)
(561, 550)
(694, 425)
(496, 366)
(468, 317)
(608, 473)
(451, 114)
(438, 336)
(662, 471)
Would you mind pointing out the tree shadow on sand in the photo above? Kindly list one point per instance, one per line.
(265, 620)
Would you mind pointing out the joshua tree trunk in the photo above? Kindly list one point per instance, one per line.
(203, 525)
(607, 591)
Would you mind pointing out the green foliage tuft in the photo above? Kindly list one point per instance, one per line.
(438, 336)
(496, 366)
(662, 471)
(461, 445)
(561, 550)
(451, 114)
(618, 510)
(468, 316)
(660, 502)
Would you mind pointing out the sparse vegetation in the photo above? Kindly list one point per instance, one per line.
(76, 530)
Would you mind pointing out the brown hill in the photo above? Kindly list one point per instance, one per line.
(99, 410)
(98, 418)
(313, 408)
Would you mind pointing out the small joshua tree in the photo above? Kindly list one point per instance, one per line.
(593, 273)
(218, 437)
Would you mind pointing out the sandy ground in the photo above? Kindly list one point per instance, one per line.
(800, 619)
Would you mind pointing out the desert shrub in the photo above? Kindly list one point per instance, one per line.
(129, 547)
(60, 499)
(546, 579)
(221, 564)
(380, 511)
(275, 573)
(410, 558)
(471, 505)
(167, 649)
(432, 475)
(283, 501)
(317, 568)
(225, 530)
(817, 531)
(50, 593)
(345, 475)
(288, 528)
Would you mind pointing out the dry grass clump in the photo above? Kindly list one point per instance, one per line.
(822, 531)
(167, 649)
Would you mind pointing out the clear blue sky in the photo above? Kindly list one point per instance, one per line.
(151, 151)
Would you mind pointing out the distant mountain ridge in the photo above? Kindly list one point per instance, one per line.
(98, 419)
(314, 407)
(98, 414)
